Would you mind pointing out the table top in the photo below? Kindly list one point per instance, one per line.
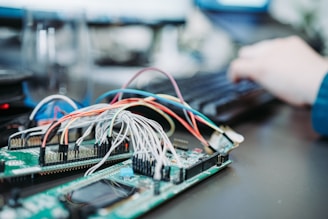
(278, 172)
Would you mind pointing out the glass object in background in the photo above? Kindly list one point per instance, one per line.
(56, 50)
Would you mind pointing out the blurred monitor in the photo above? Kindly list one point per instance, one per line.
(246, 21)
(253, 6)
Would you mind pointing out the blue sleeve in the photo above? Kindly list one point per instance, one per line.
(320, 109)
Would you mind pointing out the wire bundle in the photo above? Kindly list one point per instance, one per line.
(113, 124)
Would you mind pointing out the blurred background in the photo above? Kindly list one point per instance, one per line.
(119, 37)
(84, 48)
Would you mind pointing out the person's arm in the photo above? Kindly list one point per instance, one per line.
(287, 67)
(320, 109)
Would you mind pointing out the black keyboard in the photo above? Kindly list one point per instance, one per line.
(215, 95)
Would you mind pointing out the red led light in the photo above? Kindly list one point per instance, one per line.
(4, 106)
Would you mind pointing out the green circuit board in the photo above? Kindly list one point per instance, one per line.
(25, 162)
(117, 191)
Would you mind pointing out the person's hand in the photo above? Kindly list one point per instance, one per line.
(287, 67)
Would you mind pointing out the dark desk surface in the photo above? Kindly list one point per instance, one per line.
(280, 171)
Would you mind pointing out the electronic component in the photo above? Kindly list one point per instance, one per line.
(33, 137)
(25, 162)
(153, 169)
(126, 173)
(202, 165)
(88, 199)
(223, 142)
(180, 144)
(146, 166)
(116, 192)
